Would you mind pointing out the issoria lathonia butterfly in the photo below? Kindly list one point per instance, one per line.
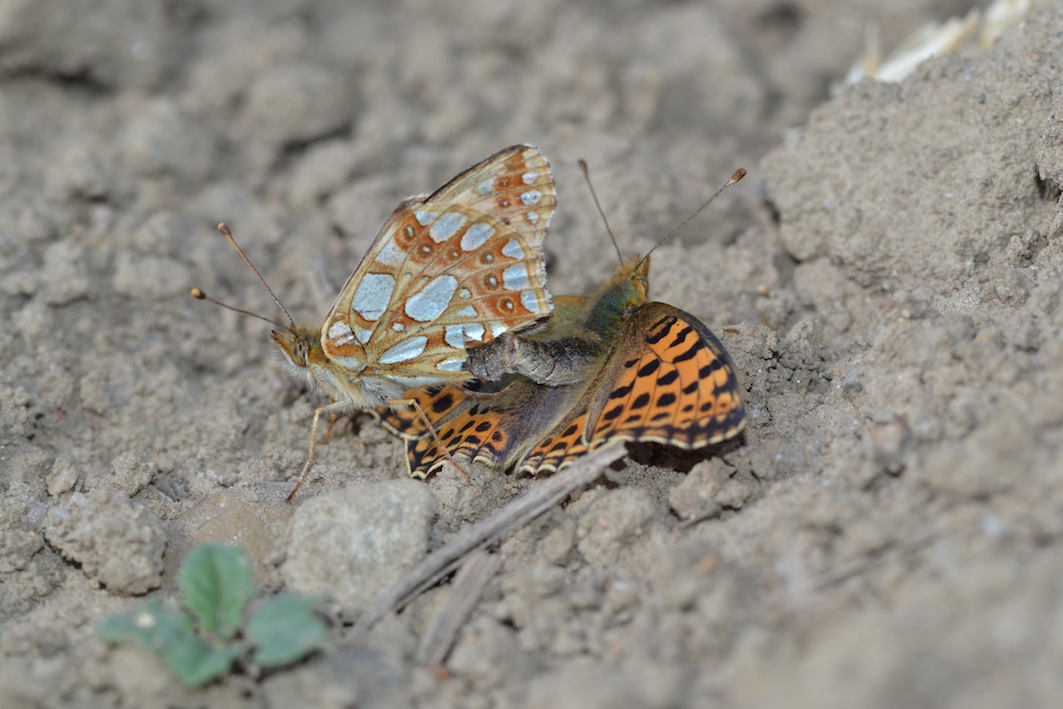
(461, 266)
(607, 367)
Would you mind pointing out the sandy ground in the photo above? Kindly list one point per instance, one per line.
(888, 280)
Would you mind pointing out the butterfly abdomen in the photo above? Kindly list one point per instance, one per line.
(554, 362)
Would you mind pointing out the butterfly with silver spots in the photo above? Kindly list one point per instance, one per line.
(459, 267)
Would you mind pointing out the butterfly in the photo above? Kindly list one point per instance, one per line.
(608, 367)
(461, 266)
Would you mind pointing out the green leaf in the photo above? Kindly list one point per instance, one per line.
(151, 627)
(172, 636)
(196, 663)
(217, 582)
(284, 629)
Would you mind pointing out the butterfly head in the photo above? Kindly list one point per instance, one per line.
(630, 285)
(300, 345)
(622, 295)
(637, 273)
(347, 381)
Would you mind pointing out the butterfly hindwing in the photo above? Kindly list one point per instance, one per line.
(461, 266)
(519, 191)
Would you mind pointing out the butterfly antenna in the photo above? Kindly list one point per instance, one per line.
(198, 294)
(587, 176)
(224, 230)
(738, 175)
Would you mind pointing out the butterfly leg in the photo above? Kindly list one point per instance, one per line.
(334, 410)
(328, 433)
(432, 432)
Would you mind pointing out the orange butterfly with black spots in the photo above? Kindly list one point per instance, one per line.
(608, 367)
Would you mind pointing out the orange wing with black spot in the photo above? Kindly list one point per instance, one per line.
(669, 381)
(493, 428)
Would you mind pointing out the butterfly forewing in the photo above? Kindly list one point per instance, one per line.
(459, 267)
(495, 429)
(673, 383)
(437, 402)
(453, 412)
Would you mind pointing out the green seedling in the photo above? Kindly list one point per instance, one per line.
(201, 642)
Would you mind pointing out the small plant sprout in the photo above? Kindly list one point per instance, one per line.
(214, 630)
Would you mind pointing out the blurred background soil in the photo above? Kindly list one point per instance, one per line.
(888, 280)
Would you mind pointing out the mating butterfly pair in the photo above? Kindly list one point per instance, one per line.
(444, 293)
(609, 367)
